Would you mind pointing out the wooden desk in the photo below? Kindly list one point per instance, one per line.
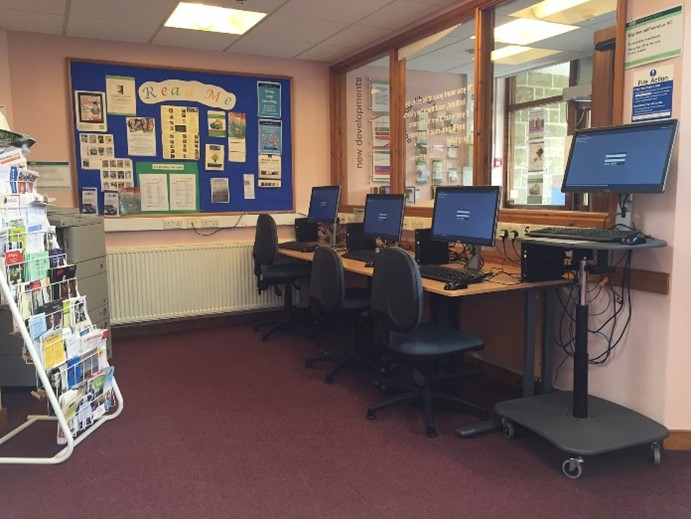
(531, 291)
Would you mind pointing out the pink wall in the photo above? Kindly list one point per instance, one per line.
(39, 88)
(5, 92)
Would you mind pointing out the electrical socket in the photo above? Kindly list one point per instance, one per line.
(174, 223)
(208, 222)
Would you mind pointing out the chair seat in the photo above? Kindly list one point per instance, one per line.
(356, 300)
(431, 340)
(284, 272)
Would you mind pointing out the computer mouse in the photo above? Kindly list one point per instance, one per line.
(455, 285)
(369, 264)
(633, 239)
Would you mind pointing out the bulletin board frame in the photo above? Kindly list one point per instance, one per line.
(231, 131)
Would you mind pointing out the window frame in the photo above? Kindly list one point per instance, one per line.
(483, 12)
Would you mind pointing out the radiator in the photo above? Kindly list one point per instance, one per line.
(166, 282)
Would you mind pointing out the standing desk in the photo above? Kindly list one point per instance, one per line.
(574, 421)
(531, 291)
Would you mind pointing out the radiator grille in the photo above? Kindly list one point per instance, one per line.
(172, 281)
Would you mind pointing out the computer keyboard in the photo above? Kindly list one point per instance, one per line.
(361, 255)
(299, 246)
(451, 275)
(581, 233)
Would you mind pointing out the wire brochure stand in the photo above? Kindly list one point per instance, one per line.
(39, 288)
(573, 421)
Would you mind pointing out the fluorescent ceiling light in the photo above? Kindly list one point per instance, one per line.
(567, 11)
(524, 31)
(517, 55)
(200, 17)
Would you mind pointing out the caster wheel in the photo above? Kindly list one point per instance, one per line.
(309, 364)
(572, 468)
(371, 415)
(431, 431)
(656, 453)
(507, 428)
(328, 380)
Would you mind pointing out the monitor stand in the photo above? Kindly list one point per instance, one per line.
(475, 260)
(625, 210)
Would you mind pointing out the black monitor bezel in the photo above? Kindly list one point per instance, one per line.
(338, 202)
(388, 196)
(468, 239)
(622, 188)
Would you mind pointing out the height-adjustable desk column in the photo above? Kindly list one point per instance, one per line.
(573, 421)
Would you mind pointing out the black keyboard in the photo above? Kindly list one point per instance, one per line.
(581, 233)
(299, 246)
(451, 275)
(361, 255)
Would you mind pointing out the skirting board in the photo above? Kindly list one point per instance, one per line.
(678, 441)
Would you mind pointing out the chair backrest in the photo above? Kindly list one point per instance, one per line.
(327, 281)
(265, 241)
(396, 290)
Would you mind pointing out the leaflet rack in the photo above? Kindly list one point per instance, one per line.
(69, 358)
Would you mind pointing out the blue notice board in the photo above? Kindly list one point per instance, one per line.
(180, 140)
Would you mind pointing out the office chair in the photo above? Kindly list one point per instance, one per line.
(271, 274)
(329, 297)
(396, 303)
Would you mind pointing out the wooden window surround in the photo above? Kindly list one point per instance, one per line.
(608, 59)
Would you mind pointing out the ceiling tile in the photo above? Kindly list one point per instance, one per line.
(325, 52)
(130, 32)
(34, 6)
(194, 39)
(332, 10)
(396, 15)
(31, 22)
(249, 44)
(433, 64)
(153, 11)
(296, 29)
(355, 35)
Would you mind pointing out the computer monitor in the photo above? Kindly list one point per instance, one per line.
(324, 208)
(324, 204)
(384, 217)
(468, 215)
(630, 158)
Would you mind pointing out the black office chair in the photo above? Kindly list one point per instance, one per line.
(329, 297)
(396, 304)
(272, 274)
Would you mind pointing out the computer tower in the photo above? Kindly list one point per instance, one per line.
(356, 239)
(306, 230)
(429, 251)
(541, 262)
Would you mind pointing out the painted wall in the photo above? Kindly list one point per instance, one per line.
(5, 91)
(41, 107)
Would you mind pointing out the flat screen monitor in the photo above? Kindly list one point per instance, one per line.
(468, 215)
(384, 216)
(630, 158)
(324, 204)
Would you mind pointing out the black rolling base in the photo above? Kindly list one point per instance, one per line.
(427, 397)
(275, 325)
(609, 427)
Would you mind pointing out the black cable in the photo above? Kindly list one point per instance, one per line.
(196, 231)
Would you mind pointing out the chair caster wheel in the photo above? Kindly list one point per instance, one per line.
(328, 380)
(309, 364)
(431, 430)
(371, 415)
